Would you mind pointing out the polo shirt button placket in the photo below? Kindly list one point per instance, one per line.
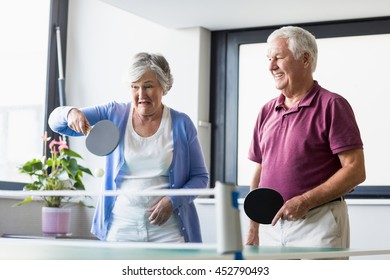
(283, 120)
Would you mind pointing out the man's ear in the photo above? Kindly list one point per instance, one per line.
(306, 57)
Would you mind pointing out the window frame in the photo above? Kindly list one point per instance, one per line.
(224, 88)
(58, 17)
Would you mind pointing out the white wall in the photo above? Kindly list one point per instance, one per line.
(27, 219)
(101, 42)
(369, 224)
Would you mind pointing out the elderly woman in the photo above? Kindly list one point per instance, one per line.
(159, 149)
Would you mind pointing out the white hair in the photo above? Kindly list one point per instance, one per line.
(143, 62)
(299, 41)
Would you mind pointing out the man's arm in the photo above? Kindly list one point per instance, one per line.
(253, 229)
(351, 174)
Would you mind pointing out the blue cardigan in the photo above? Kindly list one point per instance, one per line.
(187, 171)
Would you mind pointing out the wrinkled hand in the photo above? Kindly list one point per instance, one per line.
(78, 122)
(161, 211)
(294, 209)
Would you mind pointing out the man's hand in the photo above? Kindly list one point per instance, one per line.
(294, 209)
(253, 234)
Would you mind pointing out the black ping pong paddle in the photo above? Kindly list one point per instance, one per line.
(262, 204)
(103, 138)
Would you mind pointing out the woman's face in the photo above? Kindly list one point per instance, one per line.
(147, 94)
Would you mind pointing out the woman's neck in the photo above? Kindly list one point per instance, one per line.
(147, 125)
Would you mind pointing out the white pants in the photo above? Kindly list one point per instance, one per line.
(326, 226)
(139, 229)
(130, 216)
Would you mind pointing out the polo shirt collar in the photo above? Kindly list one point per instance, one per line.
(307, 99)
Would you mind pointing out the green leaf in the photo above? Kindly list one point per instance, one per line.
(78, 185)
(85, 205)
(49, 162)
(26, 200)
(84, 169)
(35, 186)
(72, 167)
(70, 153)
(31, 167)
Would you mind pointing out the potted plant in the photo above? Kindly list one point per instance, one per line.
(59, 171)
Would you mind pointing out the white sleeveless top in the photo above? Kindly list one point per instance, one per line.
(147, 162)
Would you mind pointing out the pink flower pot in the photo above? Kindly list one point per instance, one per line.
(56, 221)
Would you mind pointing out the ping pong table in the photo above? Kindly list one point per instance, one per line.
(70, 249)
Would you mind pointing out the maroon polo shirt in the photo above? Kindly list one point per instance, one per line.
(298, 147)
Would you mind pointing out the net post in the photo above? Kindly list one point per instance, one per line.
(229, 239)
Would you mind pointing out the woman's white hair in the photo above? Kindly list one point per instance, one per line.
(143, 62)
(299, 41)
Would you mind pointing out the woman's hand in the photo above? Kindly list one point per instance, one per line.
(78, 122)
(161, 211)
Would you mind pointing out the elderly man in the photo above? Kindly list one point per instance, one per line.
(307, 146)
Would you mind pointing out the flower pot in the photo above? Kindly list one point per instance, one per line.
(56, 221)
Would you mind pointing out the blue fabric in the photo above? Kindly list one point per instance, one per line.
(187, 171)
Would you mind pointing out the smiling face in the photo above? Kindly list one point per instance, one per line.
(147, 95)
(289, 74)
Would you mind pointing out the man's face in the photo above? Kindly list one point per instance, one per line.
(288, 73)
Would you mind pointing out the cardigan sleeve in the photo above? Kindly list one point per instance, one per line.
(188, 168)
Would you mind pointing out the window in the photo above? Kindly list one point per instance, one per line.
(23, 56)
(28, 84)
(237, 98)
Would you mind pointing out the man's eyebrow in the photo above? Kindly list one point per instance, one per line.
(148, 81)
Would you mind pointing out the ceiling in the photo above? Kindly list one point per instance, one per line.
(235, 14)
